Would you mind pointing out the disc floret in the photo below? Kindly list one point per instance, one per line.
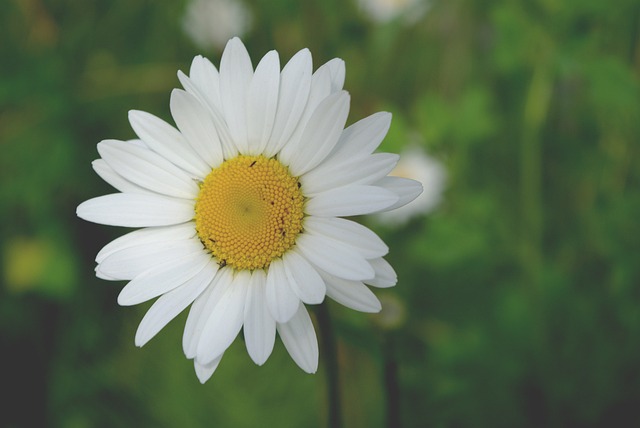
(249, 211)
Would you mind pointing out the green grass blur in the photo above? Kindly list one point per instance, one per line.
(521, 292)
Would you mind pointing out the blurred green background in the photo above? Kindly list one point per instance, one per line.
(520, 293)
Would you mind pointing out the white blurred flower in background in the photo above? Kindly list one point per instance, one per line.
(393, 314)
(416, 164)
(211, 23)
(386, 10)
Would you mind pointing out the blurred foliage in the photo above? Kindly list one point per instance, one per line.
(520, 294)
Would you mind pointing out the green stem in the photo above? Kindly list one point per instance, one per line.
(537, 105)
(330, 357)
(391, 383)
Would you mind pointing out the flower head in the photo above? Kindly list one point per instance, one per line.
(241, 207)
(387, 10)
(210, 23)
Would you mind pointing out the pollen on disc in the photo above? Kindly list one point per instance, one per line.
(249, 211)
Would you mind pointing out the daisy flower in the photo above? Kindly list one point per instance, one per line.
(383, 11)
(210, 23)
(241, 206)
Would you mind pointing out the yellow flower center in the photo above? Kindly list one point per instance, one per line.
(249, 212)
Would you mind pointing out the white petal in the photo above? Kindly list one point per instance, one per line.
(206, 77)
(157, 281)
(196, 124)
(337, 71)
(228, 146)
(303, 278)
(352, 294)
(282, 301)
(201, 309)
(350, 233)
(350, 200)
(147, 169)
(205, 371)
(136, 210)
(363, 137)
(165, 140)
(225, 320)
(320, 89)
(113, 178)
(169, 305)
(295, 83)
(130, 262)
(147, 236)
(139, 143)
(334, 257)
(321, 133)
(236, 72)
(191, 87)
(406, 189)
(353, 170)
(259, 325)
(262, 102)
(299, 338)
(385, 275)
(105, 276)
